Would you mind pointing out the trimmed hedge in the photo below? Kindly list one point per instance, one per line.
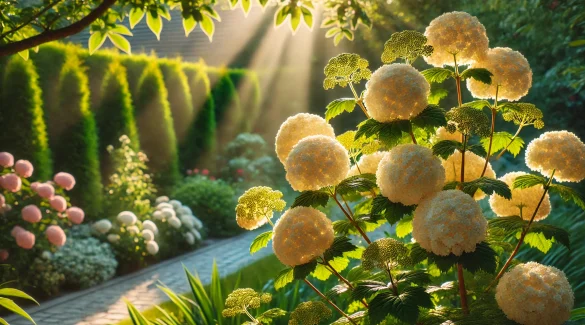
(155, 127)
(135, 66)
(179, 97)
(75, 138)
(97, 68)
(228, 113)
(24, 132)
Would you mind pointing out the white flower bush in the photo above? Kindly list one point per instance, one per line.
(443, 134)
(473, 169)
(523, 202)
(561, 151)
(296, 128)
(368, 164)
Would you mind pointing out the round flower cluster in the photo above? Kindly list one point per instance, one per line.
(533, 293)
(409, 173)
(103, 226)
(127, 218)
(11, 182)
(442, 134)
(473, 168)
(302, 234)
(396, 92)
(511, 73)
(315, 162)
(179, 217)
(24, 238)
(56, 235)
(384, 253)
(297, 127)
(368, 164)
(559, 150)
(449, 222)
(310, 312)
(240, 300)
(255, 207)
(23, 168)
(6, 159)
(456, 33)
(523, 202)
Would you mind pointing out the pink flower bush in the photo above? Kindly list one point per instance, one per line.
(4, 255)
(2, 200)
(58, 203)
(75, 215)
(65, 180)
(6, 159)
(11, 182)
(34, 185)
(24, 168)
(31, 213)
(205, 172)
(46, 191)
(25, 239)
(56, 236)
(16, 230)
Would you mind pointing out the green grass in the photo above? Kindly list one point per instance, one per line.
(254, 275)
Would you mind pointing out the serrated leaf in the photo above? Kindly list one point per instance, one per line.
(404, 307)
(539, 241)
(337, 291)
(446, 148)
(342, 227)
(260, 241)
(451, 185)
(488, 186)
(366, 288)
(437, 75)
(339, 106)
(436, 95)
(499, 141)
(527, 181)
(321, 273)
(393, 212)
(135, 16)
(311, 199)
(189, 25)
(509, 224)
(120, 42)
(302, 271)
(356, 184)
(338, 263)
(479, 74)
(96, 40)
(404, 227)
(389, 133)
(431, 117)
(483, 258)
(568, 194)
(155, 23)
(207, 26)
(478, 104)
(283, 278)
(418, 277)
(417, 253)
(477, 149)
(338, 248)
(551, 232)
(356, 317)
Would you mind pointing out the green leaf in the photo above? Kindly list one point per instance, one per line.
(120, 42)
(180, 303)
(389, 133)
(302, 271)
(499, 141)
(233, 3)
(263, 3)
(436, 95)
(135, 316)
(338, 248)
(13, 307)
(446, 148)
(366, 288)
(568, 194)
(96, 40)
(164, 12)
(246, 5)
(393, 212)
(578, 313)
(356, 184)
(418, 277)
(311, 199)
(479, 74)
(207, 26)
(437, 75)
(136, 15)
(307, 16)
(488, 186)
(283, 278)
(477, 149)
(527, 181)
(338, 38)
(322, 273)
(478, 104)
(432, 116)
(539, 241)
(267, 316)
(404, 227)
(509, 224)
(483, 258)
(3, 322)
(11, 292)
(404, 307)
(121, 29)
(332, 32)
(451, 185)
(551, 232)
(356, 317)
(580, 42)
(295, 18)
(281, 15)
(200, 296)
(155, 23)
(339, 106)
(189, 25)
(260, 241)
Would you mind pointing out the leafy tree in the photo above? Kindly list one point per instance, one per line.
(24, 133)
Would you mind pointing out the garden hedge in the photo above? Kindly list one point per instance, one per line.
(75, 138)
(228, 112)
(24, 132)
(97, 69)
(179, 97)
(135, 66)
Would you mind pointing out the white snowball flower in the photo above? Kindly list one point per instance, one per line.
(168, 213)
(298, 127)
(184, 211)
(164, 205)
(152, 247)
(133, 230)
(408, 173)
(197, 234)
(511, 72)
(301, 234)
(449, 222)
(175, 204)
(473, 168)
(396, 92)
(559, 150)
(102, 226)
(158, 215)
(148, 235)
(442, 134)
(161, 199)
(147, 224)
(113, 238)
(315, 162)
(526, 198)
(187, 221)
(368, 164)
(535, 294)
(190, 238)
(456, 33)
(175, 222)
(198, 224)
(127, 218)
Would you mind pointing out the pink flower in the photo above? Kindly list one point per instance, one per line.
(76, 215)
(56, 236)
(31, 213)
(24, 168)
(189, 172)
(16, 230)
(25, 239)
(58, 203)
(45, 191)
(6, 159)
(240, 171)
(11, 182)
(34, 185)
(3, 255)
(2, 200)
(196, 171)
(205, 172)
(65, 180)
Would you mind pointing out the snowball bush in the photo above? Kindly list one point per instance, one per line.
(443, 134)
(296, 128)
(559, 150)
(473, 168)
(523, 202)
(368, 164)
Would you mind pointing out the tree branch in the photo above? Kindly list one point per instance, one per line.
(57, 34)
(35, 16)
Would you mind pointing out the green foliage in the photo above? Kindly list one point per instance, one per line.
(356, 184)
(488, 186)
(388, 133)
(446, 148)
(431, 117)
(338, 106)
(404, 306)
(260, 241)
(344, 69)
(98, 67)
(437, 75)
(503, 140)
(311, 199)
(529, 180)
(539, 235)
(155, 127)
(484, 258)
(228, 112)
(568, 194)
(212, 201)
(407, 45)
(75, 141)
(24, 131)
(179, 97)
(392, 211)
(310, 313)
(479, 74)
(7, 302)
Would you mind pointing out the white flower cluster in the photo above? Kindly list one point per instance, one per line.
(297, 127)
(449, 222)
(456, 33)
(301, 234)
(559, 150)
(535, 294)
(178, 216)
(396, 92)
(522, 198)
(442, 134)
(511, 72)
(315, 162)
(473, 168)
(408, 173)
(368, 164)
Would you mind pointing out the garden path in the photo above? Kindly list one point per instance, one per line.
(104, 304)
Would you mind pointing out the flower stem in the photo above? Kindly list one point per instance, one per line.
(412, 135)
(462, 291)
(254, 320)
(457, 81)
(523, 234)
(344, 280)
(366, 238)
(269, 221)
(394, 288)
(463, 159)
(329, 301)
(493, 127)
(510, 143)
(359, 100)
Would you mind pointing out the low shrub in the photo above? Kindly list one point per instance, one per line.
(43, 276)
